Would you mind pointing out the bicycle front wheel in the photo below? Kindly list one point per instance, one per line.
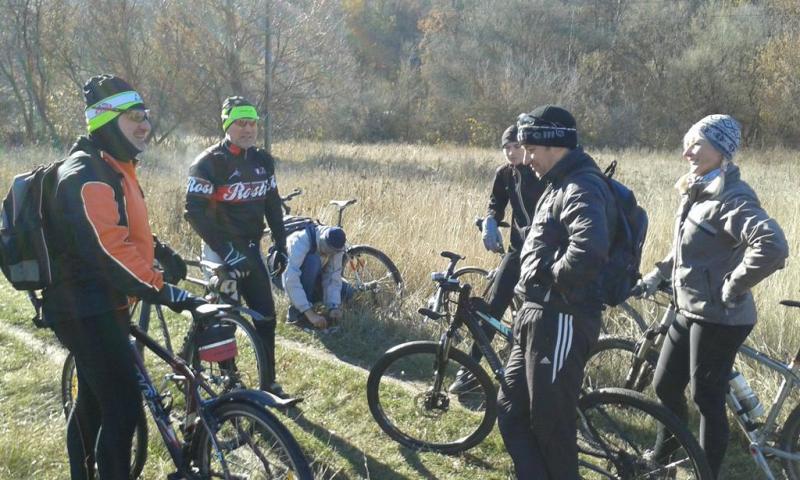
(249, 369)
(610, 362)
(371, 277)
(408, 397)
(253, 444)
(624, 435)
(69, 393)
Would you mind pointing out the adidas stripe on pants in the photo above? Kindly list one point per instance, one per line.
(536, 405)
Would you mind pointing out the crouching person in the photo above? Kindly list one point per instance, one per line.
(314, 274)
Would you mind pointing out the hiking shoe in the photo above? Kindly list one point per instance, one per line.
(276, 389)
(464, 382)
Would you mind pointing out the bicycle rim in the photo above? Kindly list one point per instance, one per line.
(624, 435)
(371, 278)
(610, 362)
(402, 399)
(248, 369)
(254, 445)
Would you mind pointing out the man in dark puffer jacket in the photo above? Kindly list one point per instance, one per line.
(565, 249)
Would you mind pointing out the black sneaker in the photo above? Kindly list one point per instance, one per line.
(300, 322)
(464, 382)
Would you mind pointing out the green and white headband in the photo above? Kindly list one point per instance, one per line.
(237, 113)
(110, 108)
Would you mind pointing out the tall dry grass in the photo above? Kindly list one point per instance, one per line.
(415, 200)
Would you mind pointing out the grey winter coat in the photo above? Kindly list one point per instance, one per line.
(724, 244)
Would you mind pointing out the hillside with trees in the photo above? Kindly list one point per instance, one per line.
(635, 72)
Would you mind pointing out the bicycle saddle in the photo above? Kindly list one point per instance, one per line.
(452, 256)
(343, 203)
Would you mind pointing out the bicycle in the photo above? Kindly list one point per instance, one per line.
(602, 360)
(373, 277)
(231, 436)
(407, 396)
(249, 369)
(767, 439)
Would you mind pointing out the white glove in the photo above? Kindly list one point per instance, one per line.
(492, 240)
(650, 282)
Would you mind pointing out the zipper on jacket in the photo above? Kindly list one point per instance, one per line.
(518, 185)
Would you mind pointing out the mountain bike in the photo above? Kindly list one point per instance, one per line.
(407, 395)
(248, 369)
(767, 437)
(230, 436)
(604, 358)
(373, 277)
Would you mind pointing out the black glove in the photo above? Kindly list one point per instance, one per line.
(173, 265)
(177, 299)
(278, 259)
(238, 264)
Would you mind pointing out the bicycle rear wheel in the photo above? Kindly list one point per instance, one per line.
(253, 443)
(409, 405)
(620, 435)
(371, 275)
(69, 392)
(250, 368)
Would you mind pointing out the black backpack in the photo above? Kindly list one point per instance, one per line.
(24, 256)
(621, 272)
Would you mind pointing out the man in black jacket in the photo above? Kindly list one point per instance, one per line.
(231, 190)
(565, 249)
(102, 251)
(517, 185)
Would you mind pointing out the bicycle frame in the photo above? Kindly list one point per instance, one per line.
(193, 385)
(758, 436)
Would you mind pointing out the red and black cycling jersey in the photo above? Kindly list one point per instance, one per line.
(98, 235)
(229, 194)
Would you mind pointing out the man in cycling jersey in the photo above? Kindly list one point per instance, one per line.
(566, 248)
(314, 274)
(231, 191)
(517, 185)
(102, 252)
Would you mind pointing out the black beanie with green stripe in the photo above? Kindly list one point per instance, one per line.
(237, 108)
(106, 98)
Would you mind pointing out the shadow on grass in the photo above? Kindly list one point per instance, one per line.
(366, 465)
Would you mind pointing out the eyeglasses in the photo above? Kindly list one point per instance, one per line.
(243, 122)
(136, 115)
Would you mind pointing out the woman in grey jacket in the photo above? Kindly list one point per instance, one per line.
(724, 244)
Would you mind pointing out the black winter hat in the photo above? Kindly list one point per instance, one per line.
(548, 125)
(236, 107)
(106, 96)
(104, 86)
(509, 136)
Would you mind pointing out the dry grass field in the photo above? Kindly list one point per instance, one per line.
(413, 202)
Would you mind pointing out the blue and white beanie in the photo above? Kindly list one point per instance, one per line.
(721, 131)
(333, 237)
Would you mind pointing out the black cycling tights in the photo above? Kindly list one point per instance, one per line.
(703, 354)
(101, 424)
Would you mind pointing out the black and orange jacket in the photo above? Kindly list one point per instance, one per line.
(99, 236)
(230, 193)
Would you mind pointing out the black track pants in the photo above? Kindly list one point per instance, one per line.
(700, 354)
(538, 400)
(501, 293)
(101, 425)
(257, 293)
